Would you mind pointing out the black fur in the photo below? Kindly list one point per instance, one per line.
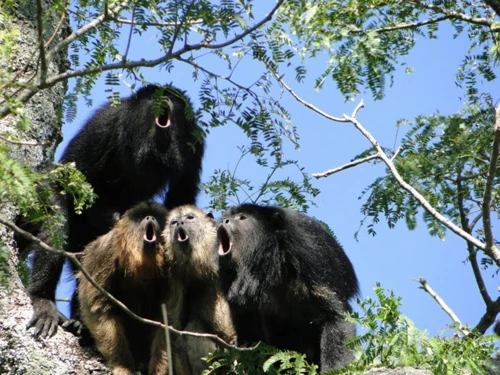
(288, 282)
(127, 158)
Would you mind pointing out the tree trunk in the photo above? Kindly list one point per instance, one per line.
(20, 352)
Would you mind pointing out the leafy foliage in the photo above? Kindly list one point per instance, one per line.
(264, 359)
(392, 340)
(225, 188)
(446, 158)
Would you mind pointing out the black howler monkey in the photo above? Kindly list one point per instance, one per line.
(195, 302)
(129, 153)
(129, 263)
(288, 282)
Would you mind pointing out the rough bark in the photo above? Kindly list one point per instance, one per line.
(20, 352)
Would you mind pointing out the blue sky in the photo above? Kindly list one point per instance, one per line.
(396, 258)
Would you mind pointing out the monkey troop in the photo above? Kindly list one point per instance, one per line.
(261, 274)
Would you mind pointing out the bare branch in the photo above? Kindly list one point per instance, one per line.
(167, 340)
(442, 304)
(85, 29)
(41, 41)
(488, 188)
(307, 104)
(464, 221)
(76, 262)
(400, 26)
(157, 24)
(5, 139)
(346, 166)
(28, 92)
(492, 251)
(488, 318)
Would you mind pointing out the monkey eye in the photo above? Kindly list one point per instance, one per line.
(174, 222)
(190, 217)
(242, 217)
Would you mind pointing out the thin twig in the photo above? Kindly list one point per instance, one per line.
(442, 304)
(346, 166)
(167, 339)
(41, 41)
(157, 24)
(401, 26)
(22, 143)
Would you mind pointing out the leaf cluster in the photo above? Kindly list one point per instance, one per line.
(392, 340)
(446, 158)
(264, 359)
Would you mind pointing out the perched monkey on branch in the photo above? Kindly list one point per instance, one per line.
(128, 153)
(129, 263)
(195, 302)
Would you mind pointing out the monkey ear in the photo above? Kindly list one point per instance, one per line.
(210, 216)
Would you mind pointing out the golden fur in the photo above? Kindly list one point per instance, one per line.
(195, 302)
(119, 263)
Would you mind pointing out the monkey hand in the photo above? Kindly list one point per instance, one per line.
(45, 318)
(74, 326)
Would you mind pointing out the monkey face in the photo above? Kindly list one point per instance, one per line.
(151, 231)
(190, 237)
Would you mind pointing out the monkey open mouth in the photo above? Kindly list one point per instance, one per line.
(182, 235)
(150, 233)
(225, 243)
(163, 121)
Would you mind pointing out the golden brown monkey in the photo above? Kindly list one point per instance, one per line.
(195, 302)
(129, 263)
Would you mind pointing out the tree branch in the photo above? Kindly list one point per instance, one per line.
(470, 247)
(346, 166)
(488, 188)
(487, 320)
(493, 252)
(79, 266)
(401, 26)
(28, 92)
(425, 286)
(450, 13)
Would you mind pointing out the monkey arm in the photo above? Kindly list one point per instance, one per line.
(46, 269)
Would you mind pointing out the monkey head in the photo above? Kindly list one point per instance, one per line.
(189, 237)
(252, 256)
(137, 236)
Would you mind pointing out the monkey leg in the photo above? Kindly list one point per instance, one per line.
(112, 342)
(158, 364)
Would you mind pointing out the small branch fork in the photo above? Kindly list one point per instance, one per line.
(79, 266)
(425, 286)
(489, 248)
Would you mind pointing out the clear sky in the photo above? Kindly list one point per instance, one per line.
(396, 258)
